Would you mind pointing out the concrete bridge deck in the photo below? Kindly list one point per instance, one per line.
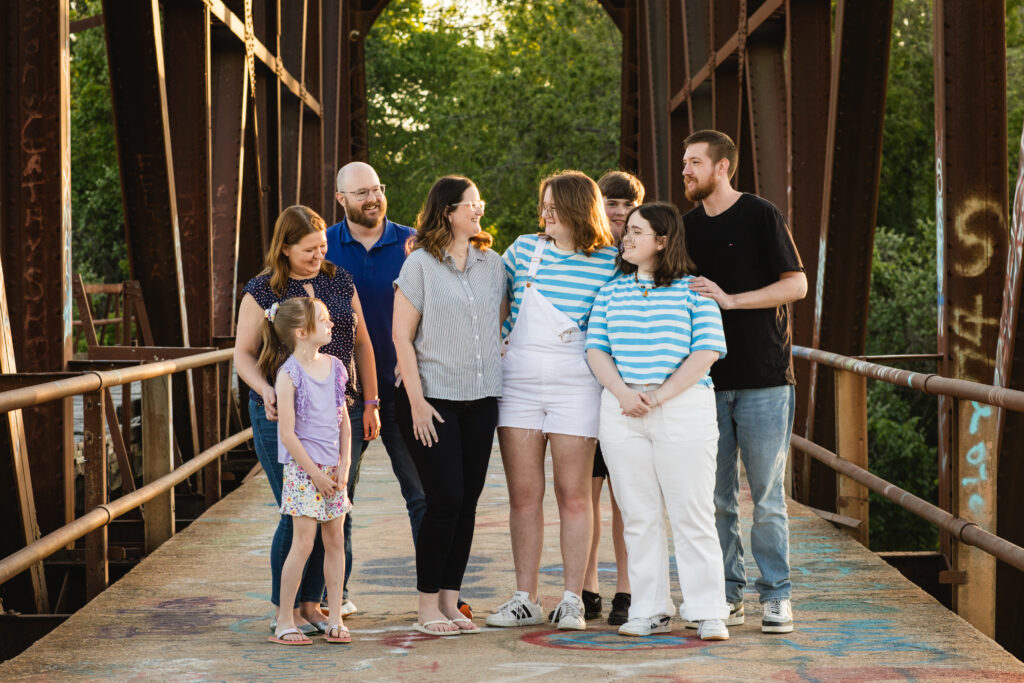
(198, 609)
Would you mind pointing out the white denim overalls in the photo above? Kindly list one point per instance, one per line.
(546, 382)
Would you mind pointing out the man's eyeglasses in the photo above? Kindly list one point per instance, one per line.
(477, 205)
(360, 195)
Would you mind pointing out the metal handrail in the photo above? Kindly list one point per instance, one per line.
(927, 383)
(101, 515)
(964, 530)
(94, 380)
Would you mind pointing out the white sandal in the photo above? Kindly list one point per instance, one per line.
(423, 628)
(467, 621)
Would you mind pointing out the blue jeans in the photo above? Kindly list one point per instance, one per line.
(311, 589)
(755, 424)
(401, 464)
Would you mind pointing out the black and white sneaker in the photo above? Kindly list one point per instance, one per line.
(778, 616)
(518, 611)
(645, 626)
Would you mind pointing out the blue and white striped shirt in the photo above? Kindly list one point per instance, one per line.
(568, 279)
(650, 336)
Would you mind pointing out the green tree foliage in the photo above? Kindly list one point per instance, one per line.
(1014, 84)
(97, 238)
(505, 97)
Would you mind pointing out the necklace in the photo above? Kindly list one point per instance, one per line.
(644, 288)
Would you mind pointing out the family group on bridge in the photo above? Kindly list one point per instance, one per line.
(604, 336)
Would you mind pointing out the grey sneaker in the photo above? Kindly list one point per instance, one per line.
(778, 616)
(712, 629)
(518, 611)
(569, 614)
(645, 626)
(736, 617)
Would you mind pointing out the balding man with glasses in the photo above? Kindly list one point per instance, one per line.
(372, 249)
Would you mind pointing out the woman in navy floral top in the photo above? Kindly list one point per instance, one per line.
(296, 267)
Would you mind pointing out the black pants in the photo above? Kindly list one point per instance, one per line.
(452, 472)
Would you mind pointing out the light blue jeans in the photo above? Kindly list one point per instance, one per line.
(754, 424)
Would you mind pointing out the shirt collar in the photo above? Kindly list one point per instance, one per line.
(473, 255)
(389, 235)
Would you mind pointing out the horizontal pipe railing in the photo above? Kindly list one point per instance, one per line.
(102, 515)
(927, 383)
(966, 531)
(95, 380)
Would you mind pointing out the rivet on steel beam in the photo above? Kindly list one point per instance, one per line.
(354, 35)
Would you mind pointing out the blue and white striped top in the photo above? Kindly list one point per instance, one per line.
(568, 279)
(650, 337)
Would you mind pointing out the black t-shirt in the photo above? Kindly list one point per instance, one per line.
(747, 247)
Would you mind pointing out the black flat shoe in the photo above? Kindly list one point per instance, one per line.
(591, 605)
(619, 613)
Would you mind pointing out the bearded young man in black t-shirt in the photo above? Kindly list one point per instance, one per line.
(747, 262)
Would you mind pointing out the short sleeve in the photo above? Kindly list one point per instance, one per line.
(298, 378)
(706, 333)
(510, 259)
(597, 330)
(410, 280)
(259, 289)
(779, 247)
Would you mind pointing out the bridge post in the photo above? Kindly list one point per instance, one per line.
(94, 450)
(852, 445)
(157, 458)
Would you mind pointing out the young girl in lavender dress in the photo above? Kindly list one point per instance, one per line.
(313, 444)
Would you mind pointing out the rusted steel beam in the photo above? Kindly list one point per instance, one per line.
(35, 232)
(288, 46)
(652, 84)
(679, 119)
(275, 65)
(624, 15)
(852, 446)
(971, 205)
(330, 102)
(311, 149)
(1009, 586)
(808, 52)
(86, 24)
(729, 46)
(768, 137)
(697, 48)
(850, 191)
(95, 454)
(965, 530)
(353, 144)
(157, 458)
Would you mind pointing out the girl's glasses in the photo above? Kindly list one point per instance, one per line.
(478, 205)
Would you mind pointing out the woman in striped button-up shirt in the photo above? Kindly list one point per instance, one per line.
(449, 304)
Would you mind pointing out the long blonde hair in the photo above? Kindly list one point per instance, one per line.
(278, 334)
(291, 226)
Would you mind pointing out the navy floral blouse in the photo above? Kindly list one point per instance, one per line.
(336, 292)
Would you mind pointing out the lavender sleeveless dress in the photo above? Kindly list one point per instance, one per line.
(319, 408)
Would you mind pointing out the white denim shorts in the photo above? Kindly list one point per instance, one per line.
(550, 390)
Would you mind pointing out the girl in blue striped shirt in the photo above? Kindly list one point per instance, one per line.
(651, 342)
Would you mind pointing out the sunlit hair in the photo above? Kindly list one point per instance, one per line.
(433, 225)
(720, 146)
(292, 225)
(291, 316)
(621, 185)
(674, 260)
(579, 204)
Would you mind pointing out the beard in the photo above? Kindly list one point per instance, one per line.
(701, 190)
(358, 215)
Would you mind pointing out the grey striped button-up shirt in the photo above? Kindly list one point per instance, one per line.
(458, 339)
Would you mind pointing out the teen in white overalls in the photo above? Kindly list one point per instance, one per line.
(549, 394)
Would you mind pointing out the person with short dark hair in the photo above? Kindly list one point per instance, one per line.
(651, 342)
(749, 265)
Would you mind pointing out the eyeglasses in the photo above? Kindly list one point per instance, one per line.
(549, 209)
(477, 205)
(360, 195)
(634, 233)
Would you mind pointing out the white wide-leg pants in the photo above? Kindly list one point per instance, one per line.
(665, 461)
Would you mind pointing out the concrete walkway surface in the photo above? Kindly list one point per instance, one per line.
(198, 610)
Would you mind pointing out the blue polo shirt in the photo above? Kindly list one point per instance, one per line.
(373, 272)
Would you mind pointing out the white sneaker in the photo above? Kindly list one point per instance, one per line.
(735, 618)
(712, 629)
(518, 611)
(778, 616)
(645, 626)
(348, 608)
(569, 613)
